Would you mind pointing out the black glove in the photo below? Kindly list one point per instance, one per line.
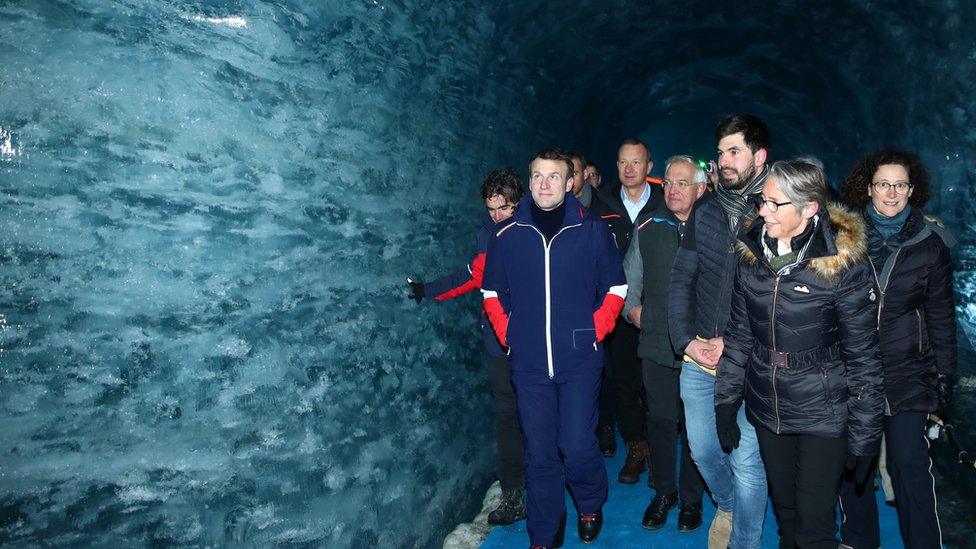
(861, 465)
(416, 290)
(726, 423)
(945, 387)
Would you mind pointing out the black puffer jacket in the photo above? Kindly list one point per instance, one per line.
(802, 347)
(701, 278)
(917, 316)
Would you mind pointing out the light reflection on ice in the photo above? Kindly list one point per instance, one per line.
(7, 150)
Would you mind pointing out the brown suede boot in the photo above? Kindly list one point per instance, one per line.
(636, 463)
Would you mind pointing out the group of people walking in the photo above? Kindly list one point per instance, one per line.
(781, 335)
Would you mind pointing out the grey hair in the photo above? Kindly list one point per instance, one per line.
(810, 159)
(699, 173)
(801, 181)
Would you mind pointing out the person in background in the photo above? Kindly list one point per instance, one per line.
(581, 190)
(591, 174)
(501, 190)
(624, 206)
(911, 264)
(648, 270)
(553, 288)
(801, 349)
(699, 300)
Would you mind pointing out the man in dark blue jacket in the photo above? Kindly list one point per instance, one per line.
(500, 191)
(699, 305)
(553, 287)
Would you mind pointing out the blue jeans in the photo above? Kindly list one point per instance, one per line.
(737, 480)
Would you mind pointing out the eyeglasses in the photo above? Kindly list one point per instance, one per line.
(900, 187)
(771, 205)
(682, 184)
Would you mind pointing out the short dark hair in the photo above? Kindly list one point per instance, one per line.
(639, 143)
(855, 186)
(557, 155)
(753, 130)
(592, 163)
(577, 154)
(505, 183)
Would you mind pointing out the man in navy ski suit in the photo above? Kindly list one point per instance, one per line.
(553, 287)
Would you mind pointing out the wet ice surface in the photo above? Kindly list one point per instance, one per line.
(208, 209)
(207, 214)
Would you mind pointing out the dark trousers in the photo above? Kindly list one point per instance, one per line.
(559, 416)
(664, 413)
(627, 378)
(803, 473)
(508, 434)
(910, 467)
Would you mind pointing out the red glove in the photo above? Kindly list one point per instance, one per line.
(499, 320)
(605, 318)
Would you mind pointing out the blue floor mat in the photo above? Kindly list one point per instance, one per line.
(625, 508)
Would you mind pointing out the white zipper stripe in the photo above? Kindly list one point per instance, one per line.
(488, 294)
(546, 246)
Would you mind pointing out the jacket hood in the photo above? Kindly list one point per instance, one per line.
(840, 242)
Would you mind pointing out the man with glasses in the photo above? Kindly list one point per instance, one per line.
(591, 174)
(501, 190)
(624, 205)
(648, 270)
(553, 288)
(699, 307)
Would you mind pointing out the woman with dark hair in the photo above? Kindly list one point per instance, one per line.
(917, 323)
(801, 348)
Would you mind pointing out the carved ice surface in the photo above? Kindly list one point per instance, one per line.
(209, 208)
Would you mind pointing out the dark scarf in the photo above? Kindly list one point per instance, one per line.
(548, 222)
(782, 264)
(735, 203)
(887, 226)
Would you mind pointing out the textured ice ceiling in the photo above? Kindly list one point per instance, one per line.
(208, 209)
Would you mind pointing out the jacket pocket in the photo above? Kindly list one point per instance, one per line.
(584, 339)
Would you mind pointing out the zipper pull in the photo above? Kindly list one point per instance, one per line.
(594, 346)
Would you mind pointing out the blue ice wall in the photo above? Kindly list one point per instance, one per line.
(208, 209)
(207, 213)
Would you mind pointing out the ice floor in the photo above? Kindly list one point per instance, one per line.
(622, 521)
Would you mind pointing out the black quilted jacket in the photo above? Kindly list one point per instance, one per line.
(701, 279)
(917, 314)
(802, 347)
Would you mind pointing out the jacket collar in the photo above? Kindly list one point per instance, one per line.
(609, 194)
(839, 242)
(574, 212)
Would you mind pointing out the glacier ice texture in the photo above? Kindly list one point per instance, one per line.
(209, 208)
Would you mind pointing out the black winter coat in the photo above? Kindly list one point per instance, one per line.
(802, 347)
(701, 279)
(610, 207)
(917, 313)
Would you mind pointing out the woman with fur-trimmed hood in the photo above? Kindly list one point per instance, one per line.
(801, 349)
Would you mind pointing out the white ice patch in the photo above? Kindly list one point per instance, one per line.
(7, 150)
(235, 22)
(470, 535)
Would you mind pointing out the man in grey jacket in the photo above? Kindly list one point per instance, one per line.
(648, 270)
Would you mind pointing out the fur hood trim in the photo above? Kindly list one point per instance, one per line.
(849, 246)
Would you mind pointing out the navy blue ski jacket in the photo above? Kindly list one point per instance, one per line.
(551, 301)
(468, 279)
